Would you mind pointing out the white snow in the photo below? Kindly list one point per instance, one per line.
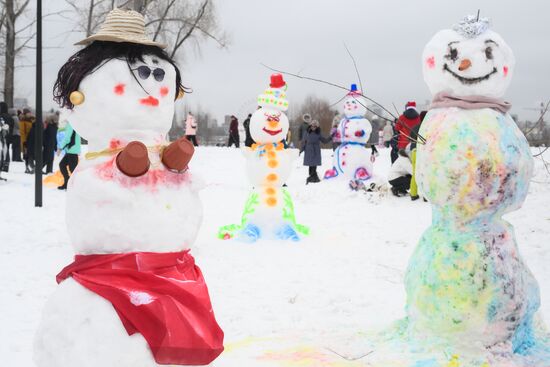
(345, 279)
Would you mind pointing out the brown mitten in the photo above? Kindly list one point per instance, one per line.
(177, 155)
(133, 161)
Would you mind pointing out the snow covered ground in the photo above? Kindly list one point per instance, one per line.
(345, 279)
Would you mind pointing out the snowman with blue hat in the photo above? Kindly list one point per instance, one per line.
(352, 159)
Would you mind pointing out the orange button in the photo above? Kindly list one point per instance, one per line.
(271, 201)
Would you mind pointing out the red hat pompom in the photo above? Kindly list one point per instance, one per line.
(277, 81)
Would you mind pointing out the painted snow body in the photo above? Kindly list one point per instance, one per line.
(126, 221)
(352, 159)
(269, 210)
(467, 285)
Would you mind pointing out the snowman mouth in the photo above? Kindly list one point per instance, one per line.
(149, 101)
(273, 132)
(465, 80)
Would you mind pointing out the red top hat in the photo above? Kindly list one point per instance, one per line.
(277, 81)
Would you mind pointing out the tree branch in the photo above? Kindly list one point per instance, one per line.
(190, 31)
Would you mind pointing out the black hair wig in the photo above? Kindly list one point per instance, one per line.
(94, 56)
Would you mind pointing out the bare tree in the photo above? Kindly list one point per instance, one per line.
(173, 22)
(14, 40)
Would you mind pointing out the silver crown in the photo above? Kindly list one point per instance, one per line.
(472, 26)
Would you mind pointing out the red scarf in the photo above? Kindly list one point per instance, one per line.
(162, 296)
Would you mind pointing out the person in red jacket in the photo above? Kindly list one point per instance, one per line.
(406, 123)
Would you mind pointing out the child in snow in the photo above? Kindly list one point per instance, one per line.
(400, 174)
(311, 146)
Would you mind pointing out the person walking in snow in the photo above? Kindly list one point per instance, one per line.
(248, 141)
(311, 146)
(234, 132)
(400, 174)
(406, 122)
(191, 129)
(71, 146)
(387, 134)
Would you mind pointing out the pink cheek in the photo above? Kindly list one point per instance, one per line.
(115, 144)
(430, 62)
(505, 71)
(119, 89)
(164, 91)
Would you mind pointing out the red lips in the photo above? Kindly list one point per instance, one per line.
(149, 101)
(273, 132)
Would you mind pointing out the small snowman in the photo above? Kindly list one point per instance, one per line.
(269, 210)
(352, 158)
(466, 282)
(133, 297)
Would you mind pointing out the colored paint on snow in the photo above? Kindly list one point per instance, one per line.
(164, 91)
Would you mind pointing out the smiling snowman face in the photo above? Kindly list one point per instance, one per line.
(464, 66)
(268, 125)
(116, 106)
(354, 106)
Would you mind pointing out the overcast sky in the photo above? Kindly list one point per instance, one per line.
(386, 38)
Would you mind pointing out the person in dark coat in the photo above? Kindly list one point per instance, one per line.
(311, 146)
(248, 141)
(8, 123)
(234, 132)
(50, 142)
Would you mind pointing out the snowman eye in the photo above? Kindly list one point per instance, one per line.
(453, 54)
(489, 53)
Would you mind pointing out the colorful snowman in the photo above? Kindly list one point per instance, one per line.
(133, 295)
(269, 210)
(352, 158)
(466, 282)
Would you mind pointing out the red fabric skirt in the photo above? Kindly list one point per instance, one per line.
(162, 296)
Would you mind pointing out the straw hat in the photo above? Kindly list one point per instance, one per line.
(122, 26)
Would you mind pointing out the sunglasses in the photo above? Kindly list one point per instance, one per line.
(144, 72)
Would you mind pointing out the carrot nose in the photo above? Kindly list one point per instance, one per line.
(464, 64)
(272, 124)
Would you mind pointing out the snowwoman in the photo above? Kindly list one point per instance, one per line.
(269, 211)
(466, 282)
(133, 297)
(352, 158)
